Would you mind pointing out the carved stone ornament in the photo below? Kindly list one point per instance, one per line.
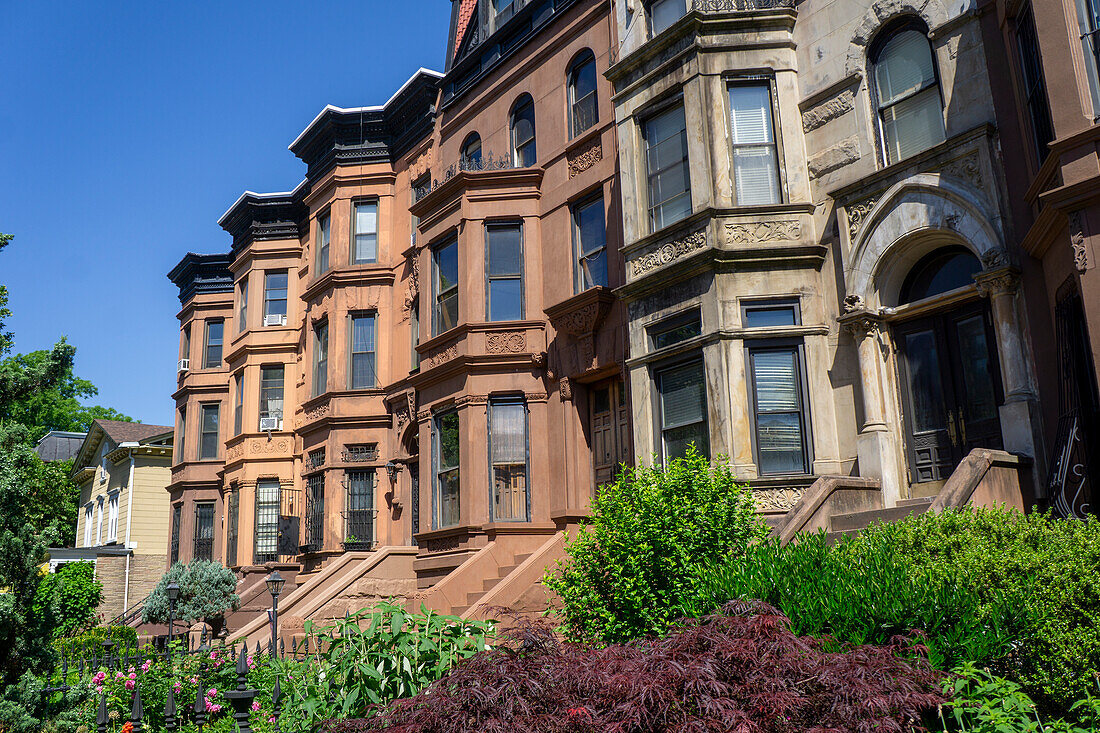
(862, 326)
(471, 399)
(994, 258)
(317, 412)
(759, 232)
(582, 159)
(506, 342)
(967, 168)
(565, 389)
(999, 282)
(777, 500)
(668, 252)
(410, 396)
(442, 544)
(1077, 241)
(401, 416)
(231, 454)
(539, 360)
(281, 445)
(853, 303)
(857, 215)
(581, 321)
(443, 356)
(412, 290)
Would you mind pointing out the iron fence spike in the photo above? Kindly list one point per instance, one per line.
(136, 711)
(101, 715)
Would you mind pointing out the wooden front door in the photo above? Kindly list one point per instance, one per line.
(951, 387)
(609, 429)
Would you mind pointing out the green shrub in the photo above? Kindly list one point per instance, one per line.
(983, 703)
(377, 656)
(1052, 565)
(75, 591)
(206, 593)
(633, 564)
(865, 592)
(90, 643)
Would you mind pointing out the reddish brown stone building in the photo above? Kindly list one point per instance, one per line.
(405, 378)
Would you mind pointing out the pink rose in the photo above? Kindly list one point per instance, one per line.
(271, 719)
(255, 706)
(99, 677)
(212, 692)
(130, 684)
(133, 675)
(213, 655)
(251, 662)
(145, 666)
(119, 676)
(194, 680)
(177, 687)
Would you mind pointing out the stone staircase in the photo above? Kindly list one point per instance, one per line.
(489, 583)
(854, 522)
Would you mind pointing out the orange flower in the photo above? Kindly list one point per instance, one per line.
(128, 727)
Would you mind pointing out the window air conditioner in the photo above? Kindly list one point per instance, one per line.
(274, 319)
(184, 365)
(268, 424)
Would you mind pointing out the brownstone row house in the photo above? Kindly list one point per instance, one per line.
(790, 233)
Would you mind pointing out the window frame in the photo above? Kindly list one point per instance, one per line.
(354, 316)
(759, 304)
(233, 522)
(645, 119)
(181, 414)
(693, 358)
(207, 346)
(112, 516)
(174, 534)
(185, 345)
(874, 53)
(238, 406)
(524, 101)
(89, 514)
(509, 400)
(490, 226)
(1088, 24)
(267, 530)
(653, 32)
(581, 60)
(578, 256)
(204, 407)
(796, 346)
(438, 469)
(320, 359)
(437, 296)
(281, 368)
(195, 538)
(672, 323)
(767, 82)
(1033, 91)
(242, 306)
(323, 241)
(353, 253)
(268, 300)
(467, 157)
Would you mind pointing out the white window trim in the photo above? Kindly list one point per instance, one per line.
(99, 521)
(88, 514)
(112, 516)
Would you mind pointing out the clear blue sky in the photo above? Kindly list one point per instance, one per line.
(128, 128)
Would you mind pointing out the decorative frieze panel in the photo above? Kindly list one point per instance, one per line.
(442, 356)
(777, 500)
(584, 158)
(668, 252)
(279, 445)
(831, 159)
(232, 454)
(506, 342)
(763, 232)
(1078, 241)
(967, 168)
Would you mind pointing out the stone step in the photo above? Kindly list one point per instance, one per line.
(473, 597)
(458, 610)
(489, 583)
(518, 559)
(861, 520)
(925, 501)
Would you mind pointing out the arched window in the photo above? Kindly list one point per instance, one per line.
(523, 132)
(583, 110)
(907, 91)
(471, 153)
(939, 272)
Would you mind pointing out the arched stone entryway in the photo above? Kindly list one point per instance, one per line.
(922, 215)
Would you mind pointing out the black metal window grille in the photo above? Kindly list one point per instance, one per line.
(233, 531)
(174, 545)
(362, 453)
(267, 521)
(317, 458)
(359, 513)
(203, 547)
(315, 513)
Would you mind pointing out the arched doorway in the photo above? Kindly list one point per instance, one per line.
(948, 370)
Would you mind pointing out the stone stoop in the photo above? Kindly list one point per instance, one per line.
(348, 583)
(518, 586)
(854, 522)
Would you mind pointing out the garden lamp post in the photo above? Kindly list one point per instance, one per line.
(173, 591)
(274, 584)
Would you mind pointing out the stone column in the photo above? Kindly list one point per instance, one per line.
(1021, 427)
(875, 445)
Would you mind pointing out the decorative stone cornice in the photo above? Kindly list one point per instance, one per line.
(763, 232)
(668, 252)
(861, 324)
(581, 314)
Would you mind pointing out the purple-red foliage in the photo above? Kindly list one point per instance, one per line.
(743, 671)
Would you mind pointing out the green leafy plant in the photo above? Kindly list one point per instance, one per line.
(75, 591)
(207, 591)
(865, 592)
(376, 656)
(89, 644)
(633, 564)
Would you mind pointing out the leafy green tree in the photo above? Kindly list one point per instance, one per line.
(75, 591)
(632, 566)
(5, 335)
(207, 591)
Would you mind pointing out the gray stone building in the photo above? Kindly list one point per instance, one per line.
(817, 275)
